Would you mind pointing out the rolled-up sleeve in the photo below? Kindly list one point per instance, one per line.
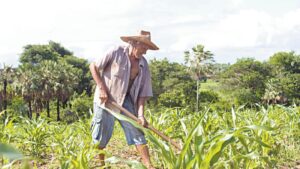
(146, 84)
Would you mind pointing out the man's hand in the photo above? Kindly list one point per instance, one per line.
(142, 121)
(103, 95)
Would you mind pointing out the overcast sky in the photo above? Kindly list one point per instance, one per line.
(230, 29)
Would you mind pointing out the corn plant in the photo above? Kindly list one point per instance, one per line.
(33, 137)
(71, 147)
(264, 137)
(235, 146)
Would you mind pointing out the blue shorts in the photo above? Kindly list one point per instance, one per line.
(103, 124)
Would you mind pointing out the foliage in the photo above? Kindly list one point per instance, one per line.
(50, 73)
(6, 78)
(246, 97)
(249, 76)
(167, 78)
(236, 139)
(291, 88)
(80, 109)
(286, 71)
(272, 90)
(181, 95)
(199, 62)
(217, 136)
(35, 54)
(221, 105)
(84, 83)
(58, 48)
(285, 62)
(18, 106)
(199, 65)
(239, 138)
(209, 97)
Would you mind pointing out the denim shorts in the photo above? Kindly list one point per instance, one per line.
(103, 124)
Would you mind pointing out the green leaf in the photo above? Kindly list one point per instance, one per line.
(188, 141)
(9, 152)
(213, 153)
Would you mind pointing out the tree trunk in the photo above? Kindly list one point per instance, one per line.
(57, 109)
(48, 108)
(36, 109)
(37, 114)
(64, 104)
(4, 97)
(30, 110)
(197, 105)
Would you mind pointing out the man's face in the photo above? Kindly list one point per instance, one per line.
(139, 50)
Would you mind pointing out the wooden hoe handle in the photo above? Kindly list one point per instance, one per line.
(130, 115)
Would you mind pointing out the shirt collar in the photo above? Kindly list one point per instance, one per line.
(141, 61)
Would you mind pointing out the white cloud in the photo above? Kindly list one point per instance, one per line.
(230, 27)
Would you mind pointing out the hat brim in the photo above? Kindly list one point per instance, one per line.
(146, 41)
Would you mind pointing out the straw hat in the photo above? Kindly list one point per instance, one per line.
(144, 37)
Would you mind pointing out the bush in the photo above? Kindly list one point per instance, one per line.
(245, 96)
(208, 96)
(18, 106)
(181, 95)
(222, 105)
(81, 105)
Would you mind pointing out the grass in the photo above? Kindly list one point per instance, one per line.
(212, 85)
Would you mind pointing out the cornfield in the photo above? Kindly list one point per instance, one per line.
(262, 137)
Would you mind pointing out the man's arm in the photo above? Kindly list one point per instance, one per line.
(100, 84)
(141, 104)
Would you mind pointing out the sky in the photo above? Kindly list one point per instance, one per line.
(230, 29)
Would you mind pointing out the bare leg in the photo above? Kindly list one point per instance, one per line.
(144, 152)
(101, 157)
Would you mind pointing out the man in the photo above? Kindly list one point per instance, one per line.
(123, 76)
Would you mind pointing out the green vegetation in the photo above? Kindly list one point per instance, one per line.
(246, 114)
(239, 138)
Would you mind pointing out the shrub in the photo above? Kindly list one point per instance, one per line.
(245, 96)
(208, 96)
(80, 107)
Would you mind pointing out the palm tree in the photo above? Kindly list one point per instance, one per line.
(27, 86)
(6, 77)
(199, 65)
(272, 91)
(48, 81)
(66, 80)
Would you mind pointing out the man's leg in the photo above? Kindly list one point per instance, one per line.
(101, 157)
(102, 129)
(144, 152)
(135, 136)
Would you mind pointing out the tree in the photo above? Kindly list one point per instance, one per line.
(55, 73)
(6, 77)
(34, 54)
(85, 78)
(272, 90)
(166, 77)
(286, 69)
(291, 88)
(199, 65)
(65, 80)
(58, 48)
(219, 68)
(179, 95)
(285, 62)
(246, 77)
(47, 80)
(26, 82)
